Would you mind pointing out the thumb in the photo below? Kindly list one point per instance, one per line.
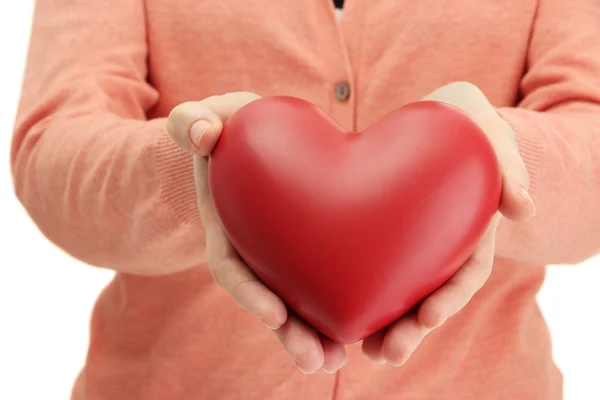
(515, 202)
(196, 126)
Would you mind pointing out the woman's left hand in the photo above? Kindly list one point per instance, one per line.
(396, 343)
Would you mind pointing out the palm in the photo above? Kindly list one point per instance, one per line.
(397, 342)
(310, 350)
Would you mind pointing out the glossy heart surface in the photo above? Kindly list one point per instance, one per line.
(352, 230)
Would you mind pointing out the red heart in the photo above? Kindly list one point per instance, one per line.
(352, 230)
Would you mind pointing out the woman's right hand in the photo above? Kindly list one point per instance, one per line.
(196, 127)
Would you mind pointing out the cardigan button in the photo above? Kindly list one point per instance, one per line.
(342, 91)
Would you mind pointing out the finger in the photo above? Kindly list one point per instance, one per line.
(466, 96)
(334, 355)
(228, 270)
(206, 206)
(515, 202)
(402, 339)
(302, 343)
(196, 126)
(454, 295)
(371, 347)
(247, 290)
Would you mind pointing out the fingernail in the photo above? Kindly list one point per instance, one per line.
(270, 326)
(330, 372)
(525, 195)
(301, 370)
(397, 363)
(198, 130)
(376, 360)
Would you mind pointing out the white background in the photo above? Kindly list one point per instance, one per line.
(46, 297)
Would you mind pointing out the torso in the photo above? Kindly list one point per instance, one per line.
(391, 53)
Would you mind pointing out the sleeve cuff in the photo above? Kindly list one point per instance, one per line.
(176, 177)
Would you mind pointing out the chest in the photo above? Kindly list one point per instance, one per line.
(388, 51)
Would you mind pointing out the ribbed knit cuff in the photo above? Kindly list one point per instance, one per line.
(176, 177)
(531, 148)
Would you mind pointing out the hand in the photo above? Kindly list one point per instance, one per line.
(196, 127)
(396, 343)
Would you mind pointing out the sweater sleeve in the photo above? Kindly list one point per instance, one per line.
(100, 180)
(558, 132)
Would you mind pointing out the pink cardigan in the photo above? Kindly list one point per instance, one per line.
(98, 173)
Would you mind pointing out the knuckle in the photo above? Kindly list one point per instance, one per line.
(250, 95)
(228, 275)
(464, 86)
(181, 110)
(238, 99)
(230, 96)
(240, 285)
(220, 270)
(482, 271)
(303, 350)
(244, 94)
(397, 351)
(175, 112)
(461, 288)
(182, 116)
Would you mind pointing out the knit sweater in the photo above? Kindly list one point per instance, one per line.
(97, 171)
